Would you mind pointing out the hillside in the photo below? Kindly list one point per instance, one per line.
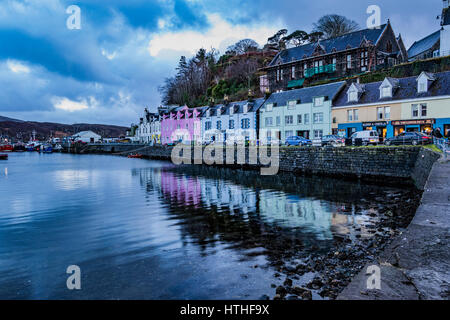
(23, 130)
(2, 119)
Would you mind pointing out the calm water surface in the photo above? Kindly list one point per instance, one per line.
(143, 229)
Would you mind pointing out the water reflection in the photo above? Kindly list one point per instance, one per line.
(149, 230)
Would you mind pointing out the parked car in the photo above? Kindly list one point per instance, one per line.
(333, 140)
(297, 141)
(414, 138)
(367, 137)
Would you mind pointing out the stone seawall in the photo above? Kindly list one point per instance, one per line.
(397, 165)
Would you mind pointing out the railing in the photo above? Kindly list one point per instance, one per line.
(443, 144)
(329, 68)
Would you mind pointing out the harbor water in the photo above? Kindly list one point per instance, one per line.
(141, 229)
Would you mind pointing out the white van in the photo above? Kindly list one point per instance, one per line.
(367, 136)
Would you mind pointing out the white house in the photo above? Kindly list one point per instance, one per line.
(149, 129)
(87, 136)
(230, 123)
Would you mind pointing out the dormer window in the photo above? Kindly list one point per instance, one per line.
(291, 104)
(386, 92)
(208, 113)
(319, 101)
(352, 96)
(246, 108)
(424, 81)
(231, 110)
(269, 107)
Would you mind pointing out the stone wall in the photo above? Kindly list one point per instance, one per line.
(388, 165)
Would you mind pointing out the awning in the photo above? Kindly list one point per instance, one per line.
(296, 83)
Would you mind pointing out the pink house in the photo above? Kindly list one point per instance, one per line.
(181, 124)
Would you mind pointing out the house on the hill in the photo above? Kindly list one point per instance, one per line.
(353, 53)
(436, 44)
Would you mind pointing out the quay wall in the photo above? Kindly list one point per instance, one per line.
(395, 165)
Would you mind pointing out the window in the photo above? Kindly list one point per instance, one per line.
(269, 122)
(319, 101)
(231, 110)
(289, 120)
(299, 119)
(245, 108)
(387, 112)
(364, 58)
(355, 115)
(281, 76)
(415, 110)
(306, 118)
(386, 92)
(353, 96)
(318, 134)
(318, 117)
(435, 53)
(219, 125)
(208, 114)
(305, 67)
(380, 113)
(349, 61)
(231, 124)
(245, 124)
(269, 107)
(208, 125)
(422, 86)
(349, 115)
(278, 74)
(293, 72)
(278, 121)
(291, 105)
(423, 108)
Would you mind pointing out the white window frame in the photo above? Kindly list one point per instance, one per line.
(321, 101)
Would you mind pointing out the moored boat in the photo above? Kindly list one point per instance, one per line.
(19, 147)
(46, 148)
(3, 157)
(135, 156)
(6, 148)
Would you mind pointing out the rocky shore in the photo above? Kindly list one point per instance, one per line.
(328, 273)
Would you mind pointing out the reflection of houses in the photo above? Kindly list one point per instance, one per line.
(233, 122)
(184, 189)
(350, 54)
(395, 105)
(436, 44)
(301, 112)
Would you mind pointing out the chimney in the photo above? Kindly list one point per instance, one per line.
(446, 4)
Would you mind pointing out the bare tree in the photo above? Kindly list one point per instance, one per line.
(243, 46)
(334, 25)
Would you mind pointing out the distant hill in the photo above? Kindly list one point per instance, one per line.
(9, 119)
(23, 130)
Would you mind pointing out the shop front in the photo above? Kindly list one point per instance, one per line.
(379, 126)
(423, 125)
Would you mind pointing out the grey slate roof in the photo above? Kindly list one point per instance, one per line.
(423, 45)
(352, 39)
(407, 90)
(306, 95)
(238, 107)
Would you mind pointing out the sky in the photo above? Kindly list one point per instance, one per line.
(110, 70)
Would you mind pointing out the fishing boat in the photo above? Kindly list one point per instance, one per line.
(58, 148)
(3, 157)
(6, 148)
(47, 148)
(19, 147)
(33, 146)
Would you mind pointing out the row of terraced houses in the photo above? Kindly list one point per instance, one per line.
(392, 106)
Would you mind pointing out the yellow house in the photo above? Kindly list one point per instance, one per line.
(394, 105)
